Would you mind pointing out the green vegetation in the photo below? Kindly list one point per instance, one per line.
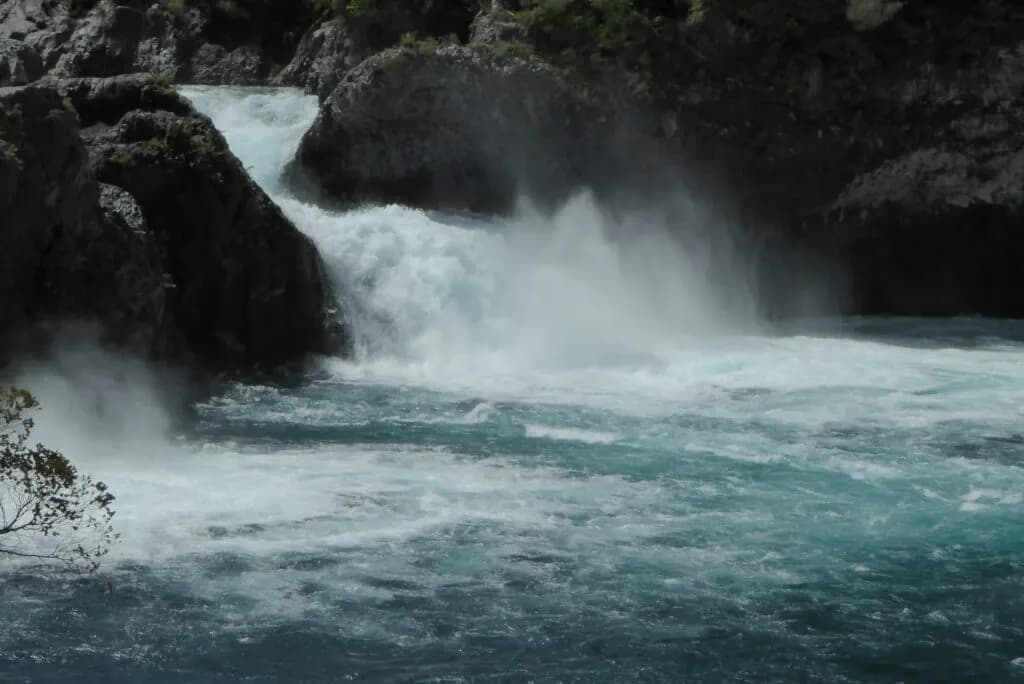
(353, 8)
(585, 36)
(586, 27)
(425, 45)
(513, 49)
(9, 152)
(190, 141)
(48, 511)
(162, 82)
(358, 8)
(10, 119)
(10, 116)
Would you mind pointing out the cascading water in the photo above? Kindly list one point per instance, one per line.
(558, 455)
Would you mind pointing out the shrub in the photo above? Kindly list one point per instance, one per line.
(42, 495)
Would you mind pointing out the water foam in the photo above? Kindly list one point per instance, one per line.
(506, 478)
(454, 301)
(570, 434)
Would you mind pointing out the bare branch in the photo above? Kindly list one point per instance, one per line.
(42, 495)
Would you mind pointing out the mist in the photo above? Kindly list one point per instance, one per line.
(595, 280)
(101, 406)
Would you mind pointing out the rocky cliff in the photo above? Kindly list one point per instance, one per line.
(240, 42)
(124, 205)
(878, 140)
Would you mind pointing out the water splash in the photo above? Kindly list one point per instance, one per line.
(584, 288)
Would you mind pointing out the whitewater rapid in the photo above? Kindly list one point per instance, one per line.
(565, 450)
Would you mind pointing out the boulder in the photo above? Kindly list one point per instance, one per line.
(132, 255)
(935, 229)
(62, 256)
(321, 59)
(458, 128)
(175, 251)
(106, 100)
(236, 43)
(19, 63)
(114, 39)
(342, 40)
(47, 199)
(878, 140)
(215, 65)
(246, 287)
(496, 24)
(43, 25)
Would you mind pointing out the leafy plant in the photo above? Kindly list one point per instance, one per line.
(47, 509)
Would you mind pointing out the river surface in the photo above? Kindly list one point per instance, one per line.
(557, 456)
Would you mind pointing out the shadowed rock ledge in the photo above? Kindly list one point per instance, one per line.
(179, 254)
(876, 141)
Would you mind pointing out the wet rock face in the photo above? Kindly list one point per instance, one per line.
(865, 15)
(934, 227)
(321, 59)
(245, 287)
(176, 251)
(19, 63)
(849, 131)
(43, 25)
(113, 38)
(237, 43)
(47, 199)
(106, 100)
(64, 252)
(133, 257)
(214, 65)
(457, 128)
(338, 43)
(976, 157)
(496, 24)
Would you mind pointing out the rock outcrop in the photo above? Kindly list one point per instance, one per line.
(19, 63)
(496, 24)
(905, 170)
(344, 39)
(248, 287)
(878, 139)
(43, 25)
(459, 128)
(323, 56)
(61, 255)
(239, 43)
(176, 252)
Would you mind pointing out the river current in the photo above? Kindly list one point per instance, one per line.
(556, 456)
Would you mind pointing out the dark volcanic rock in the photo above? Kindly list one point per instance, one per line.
(323, 56)
(47, 199)
(106, 100)
(232, 43)
(177, 253)
(496, 24)
(934, 228)
(61, 256)
(877, 139)
(457, 127)
(133, 257)
(247, 287)
(114, 39)
(341, 41)
(19, 63)
(43, 25)
(215, 65)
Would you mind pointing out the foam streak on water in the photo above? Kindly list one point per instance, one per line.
(558, 456)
